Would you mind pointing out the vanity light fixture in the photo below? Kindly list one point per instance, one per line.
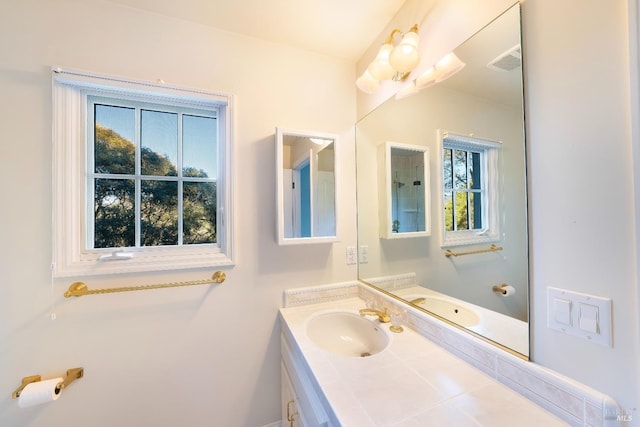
(441, 71)
(446, 67)
(405, 57)
(392, 62)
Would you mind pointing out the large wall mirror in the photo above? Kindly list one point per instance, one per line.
(306, 170)
(472, 269)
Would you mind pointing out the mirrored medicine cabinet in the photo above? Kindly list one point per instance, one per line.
(404, 178)
(306, 174)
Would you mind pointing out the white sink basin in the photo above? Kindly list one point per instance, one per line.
(347, 334)
(457, 313)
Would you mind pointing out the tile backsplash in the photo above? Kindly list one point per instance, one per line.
(325, 293)
(567, 399)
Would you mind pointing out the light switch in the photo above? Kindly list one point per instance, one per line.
(562, 308)
(588, 317)
(581, 315)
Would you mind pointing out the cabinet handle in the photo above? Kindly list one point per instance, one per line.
(291, 417)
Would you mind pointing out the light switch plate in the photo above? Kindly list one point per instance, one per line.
(363, 254)
(352, 255)
(588, 316)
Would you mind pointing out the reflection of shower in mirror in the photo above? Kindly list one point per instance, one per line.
(397, 185)
(403, 178)
(408, 202)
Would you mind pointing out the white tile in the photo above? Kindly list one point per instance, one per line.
(495, 405)
(448, 374)
(471, 350)
(426, 327)
(593, 415)
(347, 405)
(446, 415)
(551, 407)
(487, 369)
(394, 392)
(410, 345)
(546, 389)
(318, 294)
(356, 368)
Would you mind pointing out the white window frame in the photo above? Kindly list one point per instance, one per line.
(490, 161)
(71, 254)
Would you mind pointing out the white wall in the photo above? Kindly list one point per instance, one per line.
(581, 176)
(196, 356)
(582, 184)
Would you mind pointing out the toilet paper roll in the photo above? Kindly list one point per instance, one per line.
(39, 392)
(507, 291)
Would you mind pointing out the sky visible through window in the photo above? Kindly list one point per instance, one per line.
(159, 131)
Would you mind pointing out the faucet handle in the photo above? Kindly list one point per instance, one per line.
(397, 319)
(384, 316)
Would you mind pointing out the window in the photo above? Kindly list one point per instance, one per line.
(469, 188)
(141, 176)
(463, 189)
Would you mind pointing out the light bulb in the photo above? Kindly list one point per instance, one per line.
(426, 79)
(367, 83)
(405, 56)
(380, 68)
(448, 66)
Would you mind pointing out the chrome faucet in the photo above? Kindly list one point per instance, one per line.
(382, 315)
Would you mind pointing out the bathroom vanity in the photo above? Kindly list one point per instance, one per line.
(432, 373)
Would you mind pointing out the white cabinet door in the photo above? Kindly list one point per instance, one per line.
(290, 415)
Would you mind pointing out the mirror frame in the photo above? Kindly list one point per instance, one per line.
(385, 176)
(280, 228)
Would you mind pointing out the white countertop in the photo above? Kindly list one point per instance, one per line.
(413, 382)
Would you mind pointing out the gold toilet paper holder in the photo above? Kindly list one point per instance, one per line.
(500, 289)
(72, 375)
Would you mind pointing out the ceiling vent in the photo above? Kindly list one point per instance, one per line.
(507, 61)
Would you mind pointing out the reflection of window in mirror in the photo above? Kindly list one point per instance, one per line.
(470, 176)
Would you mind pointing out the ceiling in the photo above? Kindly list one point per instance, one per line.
(339, 28)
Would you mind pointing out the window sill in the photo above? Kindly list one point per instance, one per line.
(92, 265)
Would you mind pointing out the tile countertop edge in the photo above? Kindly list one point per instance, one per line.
(564, 397)
(296, 360)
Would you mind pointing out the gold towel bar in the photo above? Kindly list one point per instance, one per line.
(72, 375)
(78, 289)
(449, 253)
